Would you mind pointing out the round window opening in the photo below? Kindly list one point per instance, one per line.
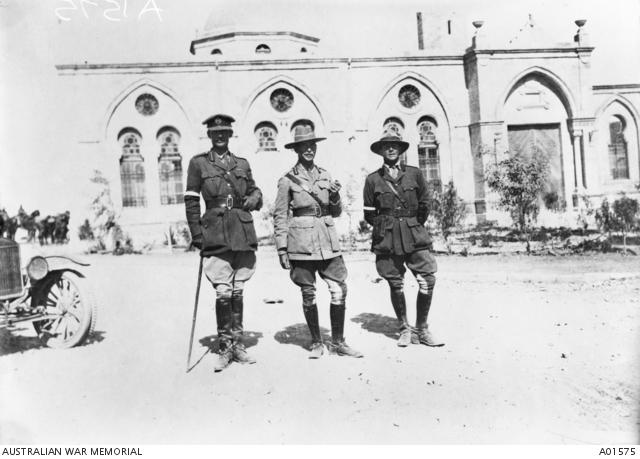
(146, 104)
(281, 100)
(409, 96)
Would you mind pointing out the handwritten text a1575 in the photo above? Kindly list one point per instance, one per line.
(111, 10)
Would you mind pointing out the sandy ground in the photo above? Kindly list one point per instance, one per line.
(539, 350)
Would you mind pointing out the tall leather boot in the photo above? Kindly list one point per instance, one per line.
(311, 316)
(225, 337)
(424, 336)
(239, 351)
(400, 308)
(338, 344)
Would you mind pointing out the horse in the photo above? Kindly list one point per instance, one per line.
(8, 225)
(28, 222)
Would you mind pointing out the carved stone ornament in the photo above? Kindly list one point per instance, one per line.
(146, 104)
(409, 96)
(281, 100)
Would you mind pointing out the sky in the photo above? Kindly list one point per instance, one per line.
(35, 35)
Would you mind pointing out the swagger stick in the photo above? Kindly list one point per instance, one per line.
(195, 314)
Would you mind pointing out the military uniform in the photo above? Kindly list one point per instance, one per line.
(305, 234)
(225, 232)
(396, 204)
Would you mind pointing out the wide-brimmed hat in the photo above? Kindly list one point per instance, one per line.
(303, 132)
(387, 138)
(219, 122)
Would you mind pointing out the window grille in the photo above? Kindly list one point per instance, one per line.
(132, 174)
(170, 168)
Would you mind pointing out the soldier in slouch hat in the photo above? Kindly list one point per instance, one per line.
(396, 205)
(225, 233)
(306, 239)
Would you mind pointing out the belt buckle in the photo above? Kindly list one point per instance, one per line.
(229, 202)
(318, 211)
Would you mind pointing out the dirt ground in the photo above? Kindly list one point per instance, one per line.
(538, 350)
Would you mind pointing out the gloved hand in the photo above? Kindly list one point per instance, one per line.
(197, 242)
(284, 260)
(251, 202)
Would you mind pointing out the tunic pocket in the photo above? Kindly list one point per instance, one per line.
(247, 225)
(300, 235)
(333, 234)
(213, 229)
(382, 235)
(419, 233)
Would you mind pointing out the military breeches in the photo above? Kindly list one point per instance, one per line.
(228, 273)
(421, 263)
(333, 271)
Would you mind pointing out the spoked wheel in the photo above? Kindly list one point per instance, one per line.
(67, 299)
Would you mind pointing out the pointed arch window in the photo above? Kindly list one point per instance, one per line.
(393, 126)
(428, 153)
(266, 133)
(132, 174)
(618, 153)
(170, 167)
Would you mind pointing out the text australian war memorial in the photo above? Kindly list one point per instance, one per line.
(461, 97)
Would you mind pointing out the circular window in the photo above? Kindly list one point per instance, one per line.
(281, 99)
(146, 104)
(409, 96)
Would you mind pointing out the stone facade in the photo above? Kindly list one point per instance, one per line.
(459, 109)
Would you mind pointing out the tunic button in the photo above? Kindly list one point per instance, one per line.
(402, 219)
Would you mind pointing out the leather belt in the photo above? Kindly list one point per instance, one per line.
(398, 212)
(228, 202)
(311, 211)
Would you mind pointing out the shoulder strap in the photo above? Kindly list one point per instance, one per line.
(304, 187)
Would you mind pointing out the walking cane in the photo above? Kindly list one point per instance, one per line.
(195, 314)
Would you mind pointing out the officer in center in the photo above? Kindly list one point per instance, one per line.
(306, 239)
(224, 233)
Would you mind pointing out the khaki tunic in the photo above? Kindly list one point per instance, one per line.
(306, 237)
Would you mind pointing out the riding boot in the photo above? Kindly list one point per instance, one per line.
(225, 337)
(239, 351)
(338, 344)
(424, 335)
(311, 316)
(400, 307)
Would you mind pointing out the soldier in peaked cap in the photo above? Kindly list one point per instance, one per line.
(396, 205)
(225, 233)
(306, 239)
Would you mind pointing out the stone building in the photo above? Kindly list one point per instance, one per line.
(461, 100)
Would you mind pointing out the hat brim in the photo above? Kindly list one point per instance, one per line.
(314, 139)
(375, 146)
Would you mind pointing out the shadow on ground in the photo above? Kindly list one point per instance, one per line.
(377, 323)
(12, 342)
(298, 335)
(249, 339)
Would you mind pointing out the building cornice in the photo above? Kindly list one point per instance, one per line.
(303, 63)
(615, 87)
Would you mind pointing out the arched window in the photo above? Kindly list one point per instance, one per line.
(428, 154)
(393, 126)
(132, 169)
(266, 133)
(170, 167)
(618, 155)
(263, 49)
